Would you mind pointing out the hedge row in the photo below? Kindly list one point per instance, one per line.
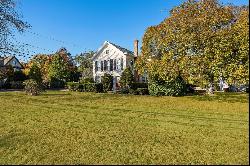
(85, 87)
(139, 91)
(136, 88)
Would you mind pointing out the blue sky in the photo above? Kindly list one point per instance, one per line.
(81, 25)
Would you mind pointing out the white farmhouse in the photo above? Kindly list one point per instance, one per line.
(113, 59)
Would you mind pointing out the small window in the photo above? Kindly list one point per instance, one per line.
(107, 51)
(14, 63)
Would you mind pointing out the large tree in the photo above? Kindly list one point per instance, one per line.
(85, 64)
(10, 21)
(200, 41)
(61, 65)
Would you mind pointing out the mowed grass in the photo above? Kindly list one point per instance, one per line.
(86, 128)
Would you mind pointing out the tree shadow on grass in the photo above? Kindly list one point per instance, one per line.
(55, 94)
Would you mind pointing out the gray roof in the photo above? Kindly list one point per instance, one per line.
(124, 50)
(7, 59)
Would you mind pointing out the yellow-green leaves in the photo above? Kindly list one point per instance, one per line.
(202, 41)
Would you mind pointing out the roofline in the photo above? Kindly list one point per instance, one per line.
(17, 61)
(107, 42)
(100, 49)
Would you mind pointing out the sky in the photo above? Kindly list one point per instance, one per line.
(83, 25)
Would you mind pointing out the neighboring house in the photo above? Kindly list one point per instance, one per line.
(11, 61)
(114, 59)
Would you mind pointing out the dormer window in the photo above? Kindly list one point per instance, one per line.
(14, 63)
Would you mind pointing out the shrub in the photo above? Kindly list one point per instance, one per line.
(89, 87)
(73, 86)
(127, 78)
(142, 91)
(32, 87)
(124, 91)
(99, 87)
(19, 76)
(133, 92)
(177, 87)
(16, 85)
(56, 83)
(136, 85)
(87, 80)
(107, 81)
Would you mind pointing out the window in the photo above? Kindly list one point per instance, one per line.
(96, 66)
(122, 64)
(14, 63)
(111, 64)
(105, 65)
(108, 65)
(101, 65)
(115, 64)
(107, 51)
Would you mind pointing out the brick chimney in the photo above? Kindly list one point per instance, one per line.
(136, 54)
(136, 48)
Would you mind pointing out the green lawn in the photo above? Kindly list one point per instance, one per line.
(84, 128)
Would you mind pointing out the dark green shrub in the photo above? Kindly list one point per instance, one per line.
(73, 86)
(99, 87)
(127, 78)
(56, 83)
(124, 91)
(133, 92)
(16, 85)
(136, 85)
(19, 76)
(32, 87)
(177, 87)
(87, 80)
(142, 91)
(89, 87)
(107, 81)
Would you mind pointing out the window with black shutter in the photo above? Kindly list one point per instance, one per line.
(96, 66)
(111, 64)
(101, 65)
(105, 65)
(115, 64)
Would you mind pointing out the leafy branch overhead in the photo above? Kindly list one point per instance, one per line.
(10, 21)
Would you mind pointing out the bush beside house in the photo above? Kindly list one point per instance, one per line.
(107, 82)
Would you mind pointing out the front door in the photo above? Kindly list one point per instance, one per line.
(116, 85)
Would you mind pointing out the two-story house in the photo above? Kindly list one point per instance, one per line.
(113, 59)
